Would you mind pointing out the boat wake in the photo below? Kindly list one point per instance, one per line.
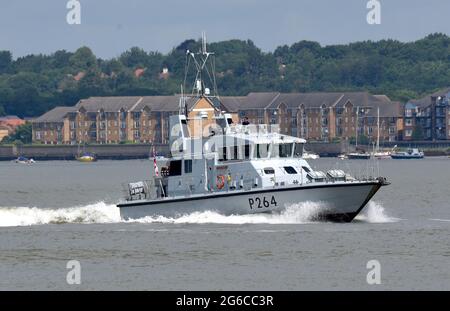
(102, 212)
(27, 216)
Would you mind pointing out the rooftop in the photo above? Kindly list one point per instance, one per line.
(57, 114)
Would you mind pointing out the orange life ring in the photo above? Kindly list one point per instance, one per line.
(220, 183)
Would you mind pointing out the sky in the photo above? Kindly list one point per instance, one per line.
(110, 27)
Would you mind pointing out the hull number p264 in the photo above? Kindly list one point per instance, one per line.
(259, 202)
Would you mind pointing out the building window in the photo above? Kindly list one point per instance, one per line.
(408, 122)
(38, 135)
(408, 133)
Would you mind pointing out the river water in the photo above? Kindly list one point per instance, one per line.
(57, 211)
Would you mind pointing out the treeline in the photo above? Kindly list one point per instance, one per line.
(33, 84)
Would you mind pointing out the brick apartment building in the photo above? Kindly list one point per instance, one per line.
(428, 118)
(314, 116)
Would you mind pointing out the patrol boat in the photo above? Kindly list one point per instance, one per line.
(219, 165)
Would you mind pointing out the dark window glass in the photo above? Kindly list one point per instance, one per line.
(175, 168)
(247, 151)
(262, 151)
(187, 166)
(290, 170)
(224, 154)
(284, 150)
(235, 153)
(269, 170)
(298, 151)
(307, 170)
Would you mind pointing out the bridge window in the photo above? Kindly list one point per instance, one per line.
(284, 150)
(262, 151)
(298, 150)
(175, 168)
(306, 169)
(235, 152)
(187, 166)
(247, 152)
(269, 170)
(290, 170)
(224, 154)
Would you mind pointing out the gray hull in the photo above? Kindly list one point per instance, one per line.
(339, 202)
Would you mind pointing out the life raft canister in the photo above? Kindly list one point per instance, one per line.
(220, 183)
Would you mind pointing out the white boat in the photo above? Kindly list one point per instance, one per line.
(24, 160)
(413, 153)
(239, 169)
(382, 155)
(310, 155)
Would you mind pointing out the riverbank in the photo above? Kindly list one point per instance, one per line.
(143, 151)
(69, 152)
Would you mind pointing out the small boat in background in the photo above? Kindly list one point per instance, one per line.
(413, 153)
(342, 156)
(87, 157)
(382, 155)
(84, 156)
(24, 160)
(359, 156)
(310, 155)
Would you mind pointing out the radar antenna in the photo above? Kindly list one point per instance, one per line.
(205, 64)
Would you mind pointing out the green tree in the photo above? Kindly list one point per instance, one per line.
(23, 134)
(135, 57)
(5, 61)
(83, 59)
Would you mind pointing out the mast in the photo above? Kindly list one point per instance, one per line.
(357, 123)
(378, 126)
(204, 64)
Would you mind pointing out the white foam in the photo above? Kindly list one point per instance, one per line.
(26, 216)
(108, 213)
(374, 212)
(102, 212)
(293, 214)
